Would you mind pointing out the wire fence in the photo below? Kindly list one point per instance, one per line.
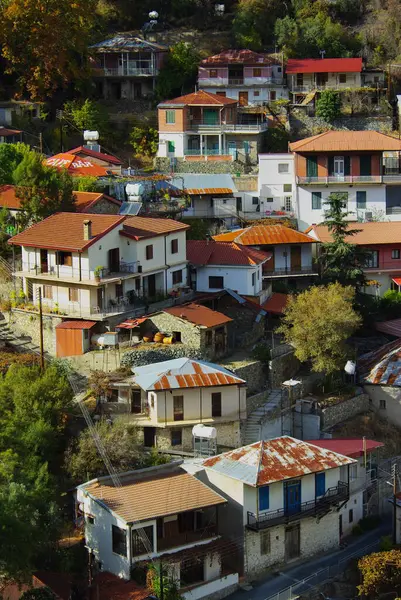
(322, 576)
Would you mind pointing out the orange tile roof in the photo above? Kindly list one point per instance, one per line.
(99, 155)
(75, 165)
(239, 57)
(212, 191)
(347, 141)
(381, 232)
(204, 252)
(276, 303)
(8, 198)
(198, 315)
(142, 227)
(200, 98)
(65, 231)
(153, 497)
(263, 235)
(84, 200)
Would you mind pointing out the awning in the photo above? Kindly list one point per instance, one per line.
(397, 280)
(131, 323)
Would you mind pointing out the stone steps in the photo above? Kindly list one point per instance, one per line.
(252, 431)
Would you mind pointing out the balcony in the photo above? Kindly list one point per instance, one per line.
(74, 274)
(253, 82)
(289, 272)
(312, 508)
(346, 179)
(202, 125)
(126, 71)
(188, 537)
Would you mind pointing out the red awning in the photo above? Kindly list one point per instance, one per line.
(131, 323)
(397, 280)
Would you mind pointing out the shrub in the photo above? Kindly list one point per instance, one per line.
(261, 352)
(8, 358)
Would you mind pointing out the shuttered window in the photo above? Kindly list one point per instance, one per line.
(311, 166)
(264, 498)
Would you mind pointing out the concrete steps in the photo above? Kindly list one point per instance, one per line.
(253, 427)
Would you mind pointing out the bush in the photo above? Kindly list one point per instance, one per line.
(261, 352)
(328, 106)
(10, 358)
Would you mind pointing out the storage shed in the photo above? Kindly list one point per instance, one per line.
(73, 337)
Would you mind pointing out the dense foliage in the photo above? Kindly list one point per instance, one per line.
(381, 573)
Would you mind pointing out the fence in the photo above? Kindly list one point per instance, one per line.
(317, 579)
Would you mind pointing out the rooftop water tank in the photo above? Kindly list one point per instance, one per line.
(202, 431)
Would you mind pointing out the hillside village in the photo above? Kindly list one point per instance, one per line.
(200, 302)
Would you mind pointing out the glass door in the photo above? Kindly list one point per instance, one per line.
(339, 167)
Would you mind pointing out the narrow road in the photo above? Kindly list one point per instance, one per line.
(292, 575)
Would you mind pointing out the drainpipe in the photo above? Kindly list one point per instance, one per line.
(129, 546)
(165, 262)
(80, 265)
(200, 404)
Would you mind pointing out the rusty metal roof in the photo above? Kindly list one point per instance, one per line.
(182, 373)
(263, 235)
(274, 460)
(382, 366)
(198, 315)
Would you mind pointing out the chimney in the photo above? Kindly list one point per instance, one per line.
(87, 229)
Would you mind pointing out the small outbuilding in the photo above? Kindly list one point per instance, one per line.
(73, 337)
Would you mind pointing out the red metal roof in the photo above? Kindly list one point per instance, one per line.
(198, 315)
(204, 252)
(239, 57)
(276, 303)
(99, 155)
(8, 198)
(131, 323)
(76, 325)
(200, 98)
(324, 65)
(263, 235)
(5, 132)
(76, 165)
(352, 447)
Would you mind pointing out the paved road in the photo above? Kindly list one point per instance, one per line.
(288, 576)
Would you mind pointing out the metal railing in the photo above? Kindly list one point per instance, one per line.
(342, 179)
(196, 124)
(187, 537)
(205, 152)
(314, 507)
(289, 271)
(393, 210)
(125, 71)
(71, 272)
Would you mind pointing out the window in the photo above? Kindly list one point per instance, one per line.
(177, 336)
(361, 199)
(142, 540)
(73, 294)
(287, 188)
(208, 338)
(119, 290)
(264, 542)
(269, 199)
(395, 254)
(213, 73)
(373, 261)
(171, 146)
(170, 117)
(253, 278)
(177, 276)
(174, 246)
(264, 497)
(178, 408)
(216, 283)
(90, 520)
(256, 94)
(300, 79)
(216, 404)
(112, 396)
(350, 515)
(288, 203)
(119, 537)
(283, 168)
(48, 292)
(272, 96)
(343, 78)
(353, 472)
(64, 258)
(149, 252)
(176, 437)
(257, 72)
(255, 200)
(316, 200)
(278, 69)
(382, 404)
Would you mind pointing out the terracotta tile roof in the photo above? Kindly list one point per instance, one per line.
(153, 497)
(99, 155)
(262, 235)
(8, 197)
(211, 191)
(65, 231)
(143, 227)
(181, 373)
(352, 447)
(324, 65)
(203, 252)
(384, 232)
(76, 325)
(274, 460)
(239, 57)
(346, 141)
(199, 98)
(382, 366)
(75, 165)
(6, 132)
(198, 315)
(276, 303)
(85, 200)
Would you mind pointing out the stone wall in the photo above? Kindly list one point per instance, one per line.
(338, 413)
(282, 368)
(166, 323)
(27, 323)
(253, 402)
(104, 206)
(255, 373)
(163, 165)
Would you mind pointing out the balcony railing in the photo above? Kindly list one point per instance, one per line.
(125, 71)
(304, 89)
(393, 210)
(188, 537)
(67, 272)
(284, 272)
(204, 152)
(235, 81)
(247, 81)
(198, 124)
(346, 179)
(316, 507)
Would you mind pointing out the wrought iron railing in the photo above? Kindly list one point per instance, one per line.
(289, 271)
(187, 537)
(73, 272)
(342, 179)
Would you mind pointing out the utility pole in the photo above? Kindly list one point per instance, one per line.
(394, 477)
(59, 116)
(42, 355)
(41, 142)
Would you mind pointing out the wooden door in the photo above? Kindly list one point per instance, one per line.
(151, 286)
(295, 258)
(243, 98)
(44, 267)
(136, 402)
(114, 260)
(292, 542)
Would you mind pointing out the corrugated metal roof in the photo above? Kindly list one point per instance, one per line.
(144, 499)
(274, 460)
(191, 181)
(276, 303)
(239, 57)
(127, 41)
(263, 235)
(353, 447)
(76, 165)
(346, 141)
(209, 191)
(100, 155)
(380, 232)
(198, 315)
(76, 325)
(324, 65)
(183, 373)
(392, 327)
(382, 366)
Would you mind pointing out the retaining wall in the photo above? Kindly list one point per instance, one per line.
(338, 413)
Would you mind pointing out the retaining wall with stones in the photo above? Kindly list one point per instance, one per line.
(253, 402)
(255, 373)
(182, 166)
(338, 413)
(282, 368)
(27, 323)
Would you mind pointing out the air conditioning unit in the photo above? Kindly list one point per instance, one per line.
(368, 216)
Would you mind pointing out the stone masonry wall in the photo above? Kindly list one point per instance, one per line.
(228, 437)
(338, 413)
(283, 367)
(182, 166)
(190, 334)
(255, 373)
(253, 402)
(25, 323)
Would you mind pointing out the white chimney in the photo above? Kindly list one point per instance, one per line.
(87, 229)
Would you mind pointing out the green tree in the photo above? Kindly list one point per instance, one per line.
(339, 259)
(253, 24)
(328, 106)
(87, 115)
(54, 37)
(178, 71)
(318, 323)
(144, 141)
(381, 573)
(10, 157)
(43, 190)
(286, 31)
(87, 184)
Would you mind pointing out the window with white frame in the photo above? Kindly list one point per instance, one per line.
(353, 472)
(283, 168)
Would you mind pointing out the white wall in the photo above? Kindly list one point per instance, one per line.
(281, 262)
(236, 278)
(179, 141)
(264, 91)
(355, 503)
(391, 395)
(309, 80)
(208, 590)
(271, 182)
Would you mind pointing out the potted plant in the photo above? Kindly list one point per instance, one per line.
(98, 273)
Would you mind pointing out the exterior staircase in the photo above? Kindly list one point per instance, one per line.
(20, 343)
(253, 427)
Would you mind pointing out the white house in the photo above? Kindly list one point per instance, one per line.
(283, 497)
(216, 266)
(159, 512)
(277, 188)
(167, 399)
(89, 265)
